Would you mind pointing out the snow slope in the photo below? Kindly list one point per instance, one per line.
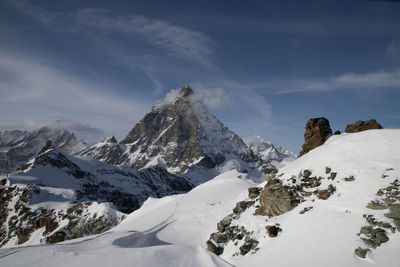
(172, 231)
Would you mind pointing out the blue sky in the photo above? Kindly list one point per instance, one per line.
(262, 67)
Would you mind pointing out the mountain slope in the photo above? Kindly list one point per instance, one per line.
(173, 230)
(268, 152)
(55, 192)
(17, 147)
(179, 133)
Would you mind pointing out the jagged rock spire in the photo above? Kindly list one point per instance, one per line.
(186, 91)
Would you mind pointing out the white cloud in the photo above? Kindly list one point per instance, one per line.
(35, 93)
(212, 97)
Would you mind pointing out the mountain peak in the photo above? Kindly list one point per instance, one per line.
(186, 91)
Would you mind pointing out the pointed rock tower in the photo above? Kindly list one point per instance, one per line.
(177, 134)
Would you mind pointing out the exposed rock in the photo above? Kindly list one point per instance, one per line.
(337, 132)
(219, 237)
(221, 225)
(394, 211)
(46, 148)
(248, 245)
(361, 252)
(306, 173)
(360, 126)
(254, 192)
(305, 210)
(327, 170)
(333, 175)
(277, 199)
(242, 206)
(214, 248)
(273, 230)
(375, 205)
(376, 237)
(57, 237)
(349, 179)
(317, 130)
(324, 194)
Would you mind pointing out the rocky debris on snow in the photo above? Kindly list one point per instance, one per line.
(327, 170)
(23, 221)
(242, 206)
(317, 131)
(349, 179)
(248, 245)
(332, 176)
(305, 210)
(378, 232)
(275, 198)
(360, 126)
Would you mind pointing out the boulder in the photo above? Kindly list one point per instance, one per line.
(317, 130)
(213, 248)
(361, 252)
(277, 199)
(360, 126)
(273, 230)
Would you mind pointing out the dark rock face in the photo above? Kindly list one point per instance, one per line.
(360, 126)
(317, 130)
(108, 151)
(25, 220)
(176, 134)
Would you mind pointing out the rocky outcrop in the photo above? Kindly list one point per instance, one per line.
(58, 225)
(277, 199)
(360, 126)
(317, 131)
(279, 196)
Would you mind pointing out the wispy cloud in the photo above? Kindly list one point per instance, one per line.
(379, 80)
(39, 93)
(176, 40)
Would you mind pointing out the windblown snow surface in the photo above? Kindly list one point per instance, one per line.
(172, 231)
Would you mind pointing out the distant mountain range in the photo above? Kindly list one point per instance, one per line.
(62, 184)
(17, 147)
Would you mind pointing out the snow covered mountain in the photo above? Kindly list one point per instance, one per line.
(333, 206)
(56, 196)
(268, 152)
(179, 134)
(17, 147)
